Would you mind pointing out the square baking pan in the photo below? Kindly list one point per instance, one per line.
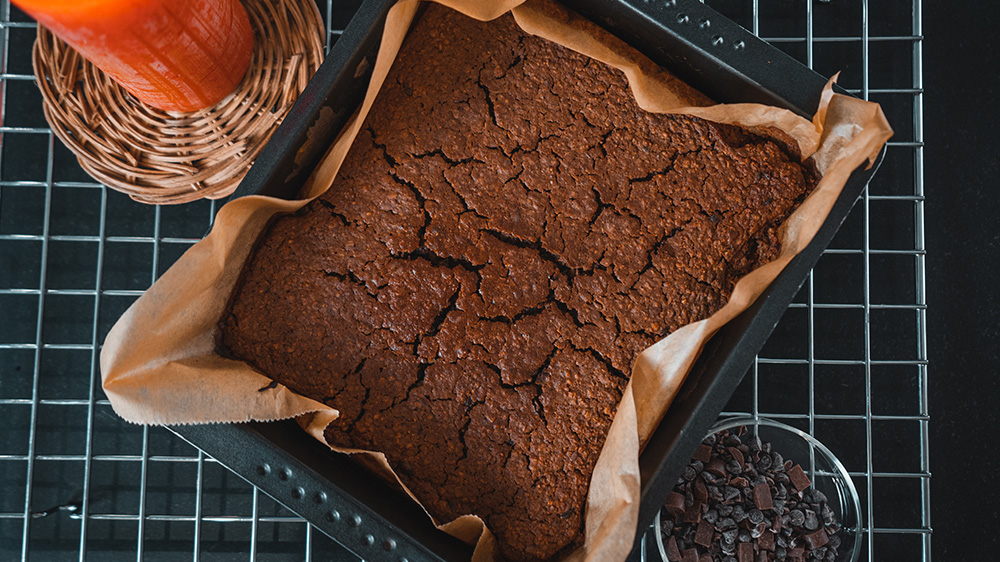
(361, 511)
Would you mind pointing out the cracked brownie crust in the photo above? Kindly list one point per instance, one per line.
(508, 232)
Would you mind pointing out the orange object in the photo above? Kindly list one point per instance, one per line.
(176, 55)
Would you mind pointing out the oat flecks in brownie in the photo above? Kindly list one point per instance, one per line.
(508, 231)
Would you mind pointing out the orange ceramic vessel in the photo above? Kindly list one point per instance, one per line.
(176, 55)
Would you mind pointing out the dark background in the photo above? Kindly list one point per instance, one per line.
(963, 242)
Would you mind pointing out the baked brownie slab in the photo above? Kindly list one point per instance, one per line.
(509, 230)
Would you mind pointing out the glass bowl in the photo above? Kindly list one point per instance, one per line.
(826, 472)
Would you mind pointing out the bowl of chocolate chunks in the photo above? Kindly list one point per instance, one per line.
(760, 491)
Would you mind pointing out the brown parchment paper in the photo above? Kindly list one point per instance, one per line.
(159, 364)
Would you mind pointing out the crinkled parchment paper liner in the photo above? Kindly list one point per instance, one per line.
(159, 363)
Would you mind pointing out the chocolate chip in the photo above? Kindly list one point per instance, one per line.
(689, 473)
(711, 516)
(690, 555)
(811, 523)
(834, 541)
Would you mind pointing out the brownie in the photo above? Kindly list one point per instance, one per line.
(508, 231)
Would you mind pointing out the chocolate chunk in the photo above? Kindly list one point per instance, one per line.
(693, 513)
(817, 539)
(673, 553)
(690, 555)
(704, 534)
(705, 557)
(738, 482)
(762, 496)
(675, 504)
(762, 556)
(700, 490)
(796, 552)
(716, 467)
(703, 454)
(737, 455)
(766, 541)
(745, 552)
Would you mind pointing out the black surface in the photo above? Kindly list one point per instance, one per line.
(963, 245)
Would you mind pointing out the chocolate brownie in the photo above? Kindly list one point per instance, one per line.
(509, 230)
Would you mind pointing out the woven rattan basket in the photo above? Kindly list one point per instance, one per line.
(164, 157)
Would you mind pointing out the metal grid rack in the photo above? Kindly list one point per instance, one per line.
(847, 362)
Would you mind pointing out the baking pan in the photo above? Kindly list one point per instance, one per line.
(361, 511)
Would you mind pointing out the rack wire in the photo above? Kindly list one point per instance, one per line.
(847, 363)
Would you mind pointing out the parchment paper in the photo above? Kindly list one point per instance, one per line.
(159, 364)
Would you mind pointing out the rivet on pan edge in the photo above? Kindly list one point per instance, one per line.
(320, 497)
(389, 544)
(718, 40)
(682, 18)
(264, 469)
(369, 540)
(705, 23)
(670, 3)
(739, 45)
(285, 474)
(298, 492)
(356, 521)
(333, 516)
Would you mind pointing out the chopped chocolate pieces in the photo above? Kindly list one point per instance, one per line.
(737, 455)
(817, 539)
(704, 534)
(745, 552)
(798, 478)
(700, 490)
(673, 552)
(703, 454)
(739, 501)
(675, 504)
(716, 466)
(762, 496)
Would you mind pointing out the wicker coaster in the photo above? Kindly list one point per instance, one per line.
(164, 157)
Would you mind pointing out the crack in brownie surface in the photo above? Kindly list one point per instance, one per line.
(508, 231)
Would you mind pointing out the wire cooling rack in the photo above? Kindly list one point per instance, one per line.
(848, 361)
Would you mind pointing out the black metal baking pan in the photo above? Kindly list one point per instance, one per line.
(362, 512)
